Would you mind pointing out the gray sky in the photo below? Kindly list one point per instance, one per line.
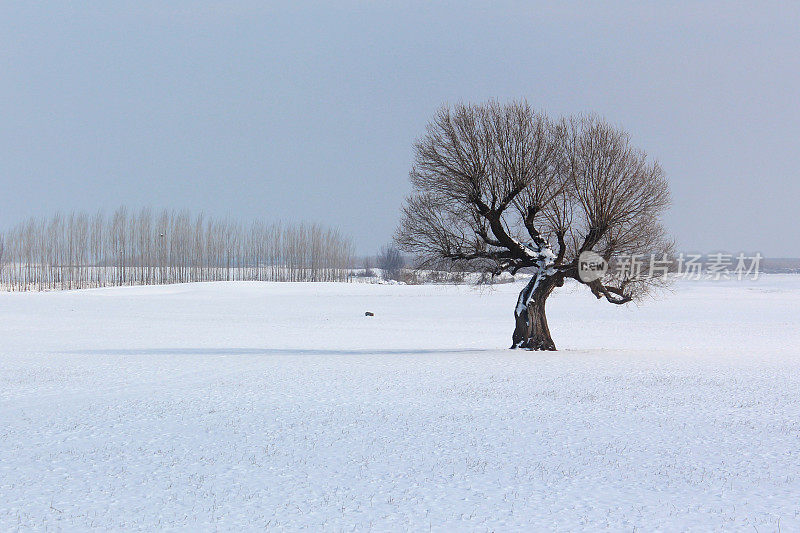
(309, 112)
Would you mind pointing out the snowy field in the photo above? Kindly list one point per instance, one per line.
(243, 405)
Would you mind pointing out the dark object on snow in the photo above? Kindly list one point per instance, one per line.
(369, 313)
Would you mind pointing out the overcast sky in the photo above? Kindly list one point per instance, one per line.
(309, 113)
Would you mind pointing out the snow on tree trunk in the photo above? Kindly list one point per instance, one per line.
(531, 331)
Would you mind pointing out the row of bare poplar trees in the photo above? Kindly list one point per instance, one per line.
(145, 248)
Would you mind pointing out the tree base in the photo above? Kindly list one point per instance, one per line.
(536, 346)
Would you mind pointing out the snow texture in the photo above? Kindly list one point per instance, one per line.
(237, 406)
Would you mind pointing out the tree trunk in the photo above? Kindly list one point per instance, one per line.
(531, 331)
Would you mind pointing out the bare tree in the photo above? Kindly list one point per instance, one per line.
(495, 185)
(2, 257)
(131, 248)
(390, 261)
(367, 272)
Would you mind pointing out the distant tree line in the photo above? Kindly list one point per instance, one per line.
(146, 248)
(391, 262)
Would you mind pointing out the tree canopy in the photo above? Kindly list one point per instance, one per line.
(503, 187)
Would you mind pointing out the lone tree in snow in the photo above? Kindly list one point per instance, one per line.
(500, 188)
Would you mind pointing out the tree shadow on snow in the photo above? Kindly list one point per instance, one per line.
(275, 351)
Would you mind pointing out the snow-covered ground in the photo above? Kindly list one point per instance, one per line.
(249, 405)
